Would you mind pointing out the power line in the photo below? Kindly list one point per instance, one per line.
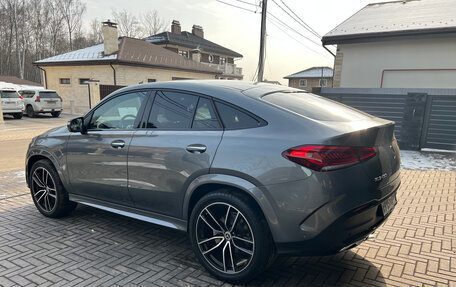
(310, 28)
(297, 21)
(294, 30)
(248, 3)
(235, 6)
(294, 38)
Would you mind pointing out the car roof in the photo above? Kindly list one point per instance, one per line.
(36, 90)
(251, 89)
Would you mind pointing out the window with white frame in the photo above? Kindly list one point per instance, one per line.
(303, 83)
(183, 53)
(323, 82)
(222, 60)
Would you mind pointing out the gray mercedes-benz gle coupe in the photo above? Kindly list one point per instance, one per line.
(248, 170)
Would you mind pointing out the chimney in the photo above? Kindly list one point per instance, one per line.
(197, 30)
(196, 54)
(175, 27)
(110, 37)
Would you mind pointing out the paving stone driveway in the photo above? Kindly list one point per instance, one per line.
(416, 247)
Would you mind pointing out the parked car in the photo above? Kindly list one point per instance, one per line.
(12, 103)
(42, 101)
(248, 170)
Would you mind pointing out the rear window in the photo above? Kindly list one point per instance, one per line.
(233, 118)
(27, 94)
(315, 107)
(9, 94)
(49, 95)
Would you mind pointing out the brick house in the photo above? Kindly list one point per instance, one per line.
(194, 46)
(115, 63)
(315, 77)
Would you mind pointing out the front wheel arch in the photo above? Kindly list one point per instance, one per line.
(36, 157)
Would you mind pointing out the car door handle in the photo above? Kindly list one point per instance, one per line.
(118, 144)
(196, 148)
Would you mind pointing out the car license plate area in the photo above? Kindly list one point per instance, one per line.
(386, 207)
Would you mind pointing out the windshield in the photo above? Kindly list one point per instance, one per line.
(315, 107)
(49, 95)
(9, 95)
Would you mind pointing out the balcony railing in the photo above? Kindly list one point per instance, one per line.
(228, 69)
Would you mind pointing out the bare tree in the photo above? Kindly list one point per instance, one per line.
(16, 11)
(32, 30)
(95, 34)
(127, 23)
(72, 11)
(152, 23)
(55, 26)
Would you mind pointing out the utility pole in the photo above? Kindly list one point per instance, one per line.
(262, 40)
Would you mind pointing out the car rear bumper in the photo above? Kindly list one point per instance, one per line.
(344, 233)
(12, 111)
(50, 110)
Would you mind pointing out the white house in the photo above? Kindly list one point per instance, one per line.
(398, 44)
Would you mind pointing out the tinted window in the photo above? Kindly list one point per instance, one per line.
(27, 94)
(315, 107)
(205, 117)
(49, 95)
(9, 94)
(172, 110)
(233, 118)
(118, 113)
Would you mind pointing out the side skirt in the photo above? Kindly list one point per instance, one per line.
(139, 214)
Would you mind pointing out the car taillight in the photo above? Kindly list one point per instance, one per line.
(326, 158)
(37, 99)
(21, 97)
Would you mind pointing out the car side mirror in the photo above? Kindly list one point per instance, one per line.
(77, 126)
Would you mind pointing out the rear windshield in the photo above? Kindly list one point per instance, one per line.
(27, 94)
(49, 95)
(9, 94)
(315, 107)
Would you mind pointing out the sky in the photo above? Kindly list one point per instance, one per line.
(239, 30)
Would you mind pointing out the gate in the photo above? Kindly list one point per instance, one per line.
(390, 107)
(107, 89)
(439, 130)
(425, 118)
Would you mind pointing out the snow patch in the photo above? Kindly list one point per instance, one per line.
(419, 160)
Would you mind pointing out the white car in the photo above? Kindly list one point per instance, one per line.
(12, 103)
(42, 101)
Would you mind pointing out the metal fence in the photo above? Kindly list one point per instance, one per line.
(425, 118)
(107, 89)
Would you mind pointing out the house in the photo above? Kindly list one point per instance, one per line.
(17, 83)
(194, 46)
(315, 77)
(115, 63)
(397, 44)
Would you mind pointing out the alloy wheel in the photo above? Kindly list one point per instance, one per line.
(225, 238)
(44, 189)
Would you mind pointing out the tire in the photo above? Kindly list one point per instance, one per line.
(251, 255)
(17, 116)
(48, 193)
(55, 114)
(30, 112)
